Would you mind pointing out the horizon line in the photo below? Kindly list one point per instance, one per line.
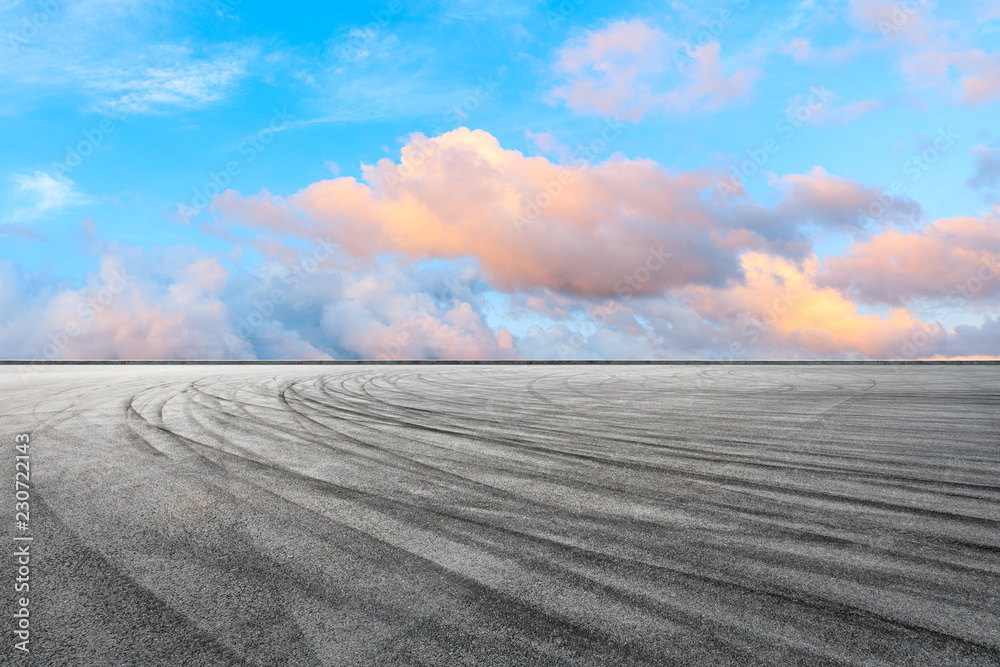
(497, 362)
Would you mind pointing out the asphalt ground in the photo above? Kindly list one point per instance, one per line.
(507, 515)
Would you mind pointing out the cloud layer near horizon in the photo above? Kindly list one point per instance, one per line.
(583, 230)
(625, 258)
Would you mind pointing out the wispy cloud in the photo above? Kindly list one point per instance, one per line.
(171, 78)
(116, 56)
(32, 196)
(829, 113)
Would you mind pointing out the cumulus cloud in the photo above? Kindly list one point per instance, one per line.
(783, 310)
(612, 71)
(182, 303)
(583, 260)
(971, 342)
(622, 71)
(816, 199)
(821, 198)
(622, 259)
(527, 221)
(374, 320)
(938, 261)
(531, 224)
(118, 313)
(321, 304)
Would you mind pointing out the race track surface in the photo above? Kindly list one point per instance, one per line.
(509, 515)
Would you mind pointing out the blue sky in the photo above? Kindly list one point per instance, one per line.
(124, 122)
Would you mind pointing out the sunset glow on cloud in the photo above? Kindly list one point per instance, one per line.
(579, 180)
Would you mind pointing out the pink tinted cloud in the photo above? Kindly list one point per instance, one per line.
(527, 221)
(708, 88)
(382, 316)
(938, 261)
(546, 142)
(124, 312)
(182, 304)
(533, 224)
(800, 50)
(179, 303)
(930, 60)
(782, 308)
(816, 198)
(611, 71)
(834, 201)
(621, 71)
(978, 79)
(909, 22)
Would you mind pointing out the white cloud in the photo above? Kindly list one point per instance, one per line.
(173, 77)
(824, 111)
(118, 56)
(31, 197)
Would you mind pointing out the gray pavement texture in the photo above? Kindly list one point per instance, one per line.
(504, 515)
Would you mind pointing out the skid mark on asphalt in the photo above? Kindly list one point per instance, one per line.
(517, 515)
